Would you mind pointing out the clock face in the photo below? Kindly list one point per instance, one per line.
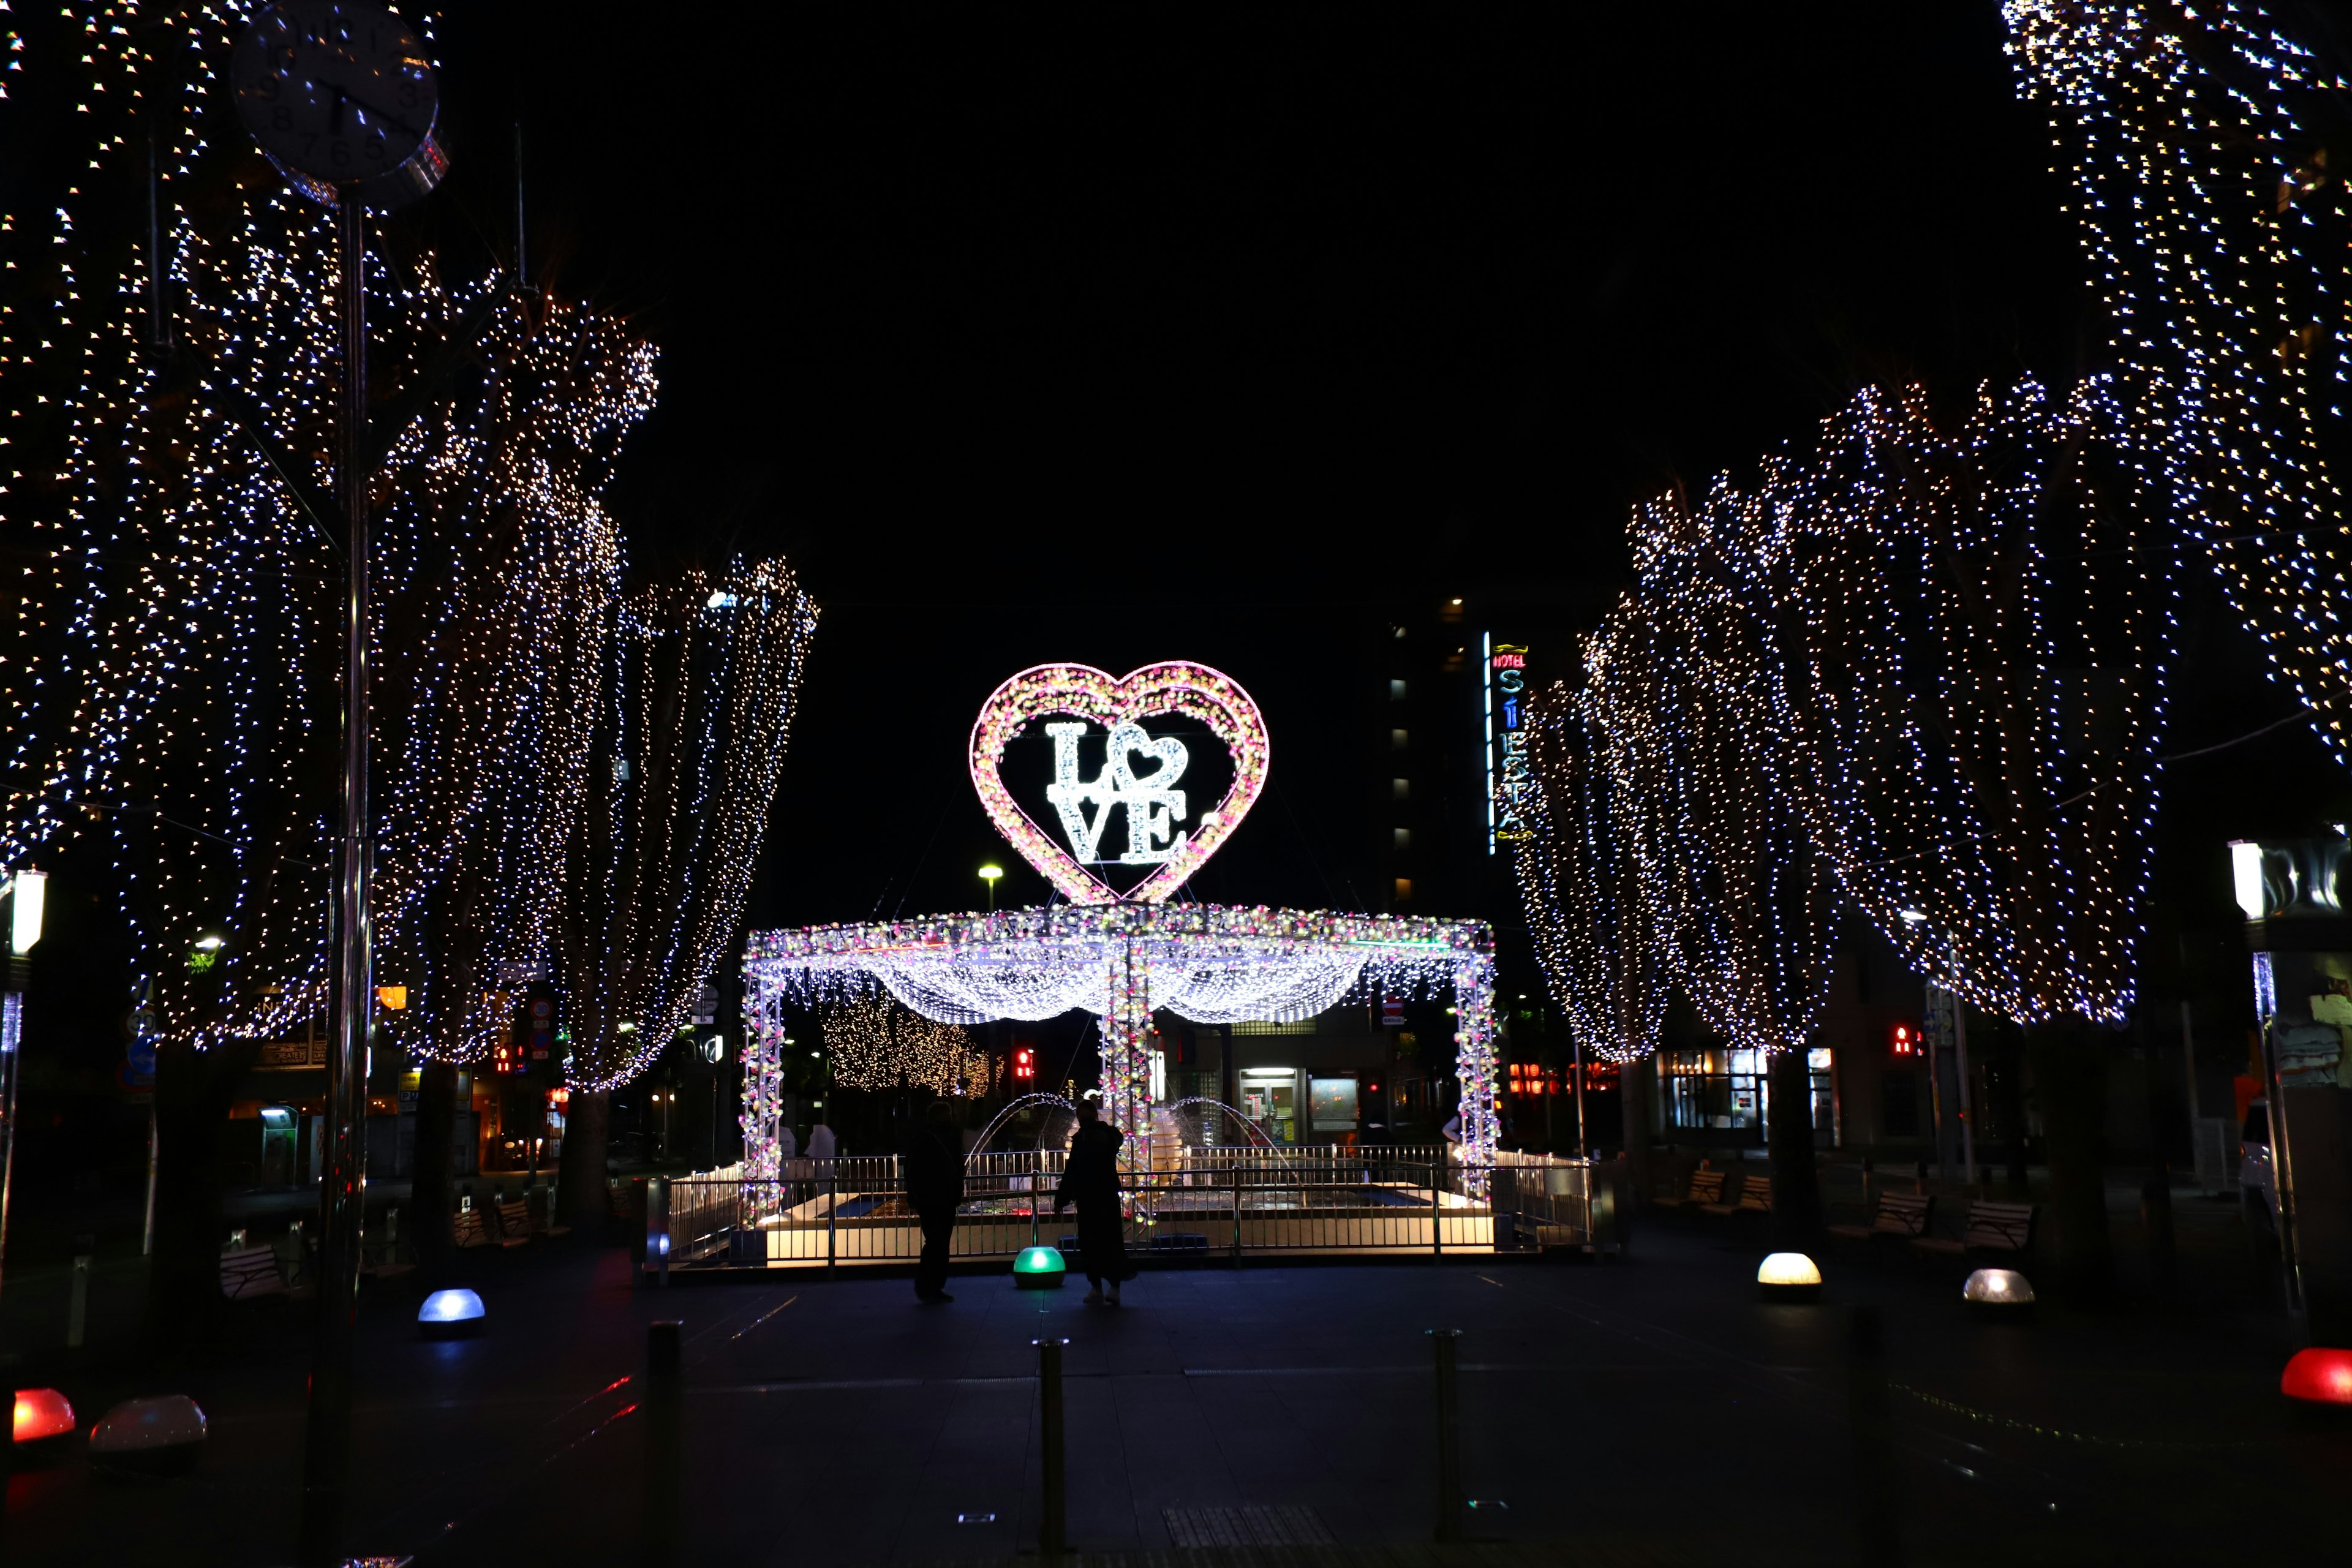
(338, 93)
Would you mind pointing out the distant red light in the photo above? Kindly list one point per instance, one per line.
(2320, 1375)
(42, 1413)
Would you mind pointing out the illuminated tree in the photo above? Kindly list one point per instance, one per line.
(1580, 878)
(1691, 716)
(692, 735)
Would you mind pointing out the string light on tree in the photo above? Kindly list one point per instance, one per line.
(2206, 153)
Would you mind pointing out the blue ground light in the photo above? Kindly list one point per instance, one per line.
(448, 1314)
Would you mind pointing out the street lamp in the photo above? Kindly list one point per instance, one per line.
(28, 897)
(990, 874)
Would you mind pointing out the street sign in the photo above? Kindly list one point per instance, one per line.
(705, 1004)
(1392, 1012)
(142, 1057)
(540, 1028)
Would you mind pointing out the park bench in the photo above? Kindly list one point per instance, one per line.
(251, 1271)
(1906, 1215)
(1992, 1227)
(1705, 1187)
(469, 1230)
(514, 1222)
(1755, 1197)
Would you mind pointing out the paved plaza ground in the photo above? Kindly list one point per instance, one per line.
(1652, 1410)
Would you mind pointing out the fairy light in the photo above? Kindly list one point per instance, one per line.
(1121, 962)
(1153, 810)
(877, 1045)
(178, 631)
(1686, 703)
(1579, 869)
(2194, 140)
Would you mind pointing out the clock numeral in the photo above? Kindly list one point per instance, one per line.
(339, 152)
(375, 149)
(407, 95)
(281, 118)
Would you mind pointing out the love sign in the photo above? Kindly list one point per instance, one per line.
(1140, 777)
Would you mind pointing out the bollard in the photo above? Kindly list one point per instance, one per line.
(1877, 1509)
(2156, 1214)
(1449, 1439)
(664, 1460)
(78, 1303)
(1051, 1522)
(657, 1238)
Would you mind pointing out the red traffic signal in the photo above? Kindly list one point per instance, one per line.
(1024, 1062)
(1903, 1039)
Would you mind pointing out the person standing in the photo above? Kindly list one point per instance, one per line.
(934, 1169)
(1090, 1180)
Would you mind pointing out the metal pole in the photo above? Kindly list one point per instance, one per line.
(664, 1469)
(1449, 1438)
(832, 1213)
(155, 1142)
(1583, 1142)
(1968, 1094)
(327, 1457)
(158, 336)
(1436, 1212)
(1051, 1523)
(12, 1028)
(2282, 1176)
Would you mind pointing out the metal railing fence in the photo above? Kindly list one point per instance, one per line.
(1225, 1205)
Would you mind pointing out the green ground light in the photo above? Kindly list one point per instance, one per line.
(1038, 1268)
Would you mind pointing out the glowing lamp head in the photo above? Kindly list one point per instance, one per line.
(42, 1414)
(29, 893)
(211, 941)
(1038, 1268)
(1788, 1277)
(450, 1314)
(1912, 917)
(2004, 1290)
(2319, 1375)
(2246, 879)
(991, 873)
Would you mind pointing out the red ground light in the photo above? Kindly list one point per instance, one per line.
(2318, 1377)
(42, 1413)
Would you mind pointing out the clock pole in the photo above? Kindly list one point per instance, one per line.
(327, 1457)
(341, 98)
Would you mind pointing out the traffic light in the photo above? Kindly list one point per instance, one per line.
(1903, 1040)
(1024, 1063)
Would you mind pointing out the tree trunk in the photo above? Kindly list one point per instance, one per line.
(183, 1291)
(2070, 1077)
(1796, 1184)
(580, 1181)
(432, 1222)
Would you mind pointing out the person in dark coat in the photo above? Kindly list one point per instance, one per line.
(1090, 1180)
(934, 1188)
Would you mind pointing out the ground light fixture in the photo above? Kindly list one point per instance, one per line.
(1998, 1293)
(450, 1315)
(1038, 1268)
(2320, 1375)
(1789, 1277)
(41, 1414)
(153, 1437)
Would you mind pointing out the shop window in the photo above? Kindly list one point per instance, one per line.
(1712, 1089)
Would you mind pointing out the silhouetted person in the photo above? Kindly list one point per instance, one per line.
(935, 1187)
(1090, 1180)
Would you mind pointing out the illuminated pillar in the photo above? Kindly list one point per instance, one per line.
(1126, 1031)
(763, 1079)
(1473, 1057)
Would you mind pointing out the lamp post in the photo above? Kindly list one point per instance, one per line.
(991, 874)
(27, 897)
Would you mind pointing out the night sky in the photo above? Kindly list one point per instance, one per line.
(1155, 334)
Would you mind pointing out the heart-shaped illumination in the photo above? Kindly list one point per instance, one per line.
(1139, 771)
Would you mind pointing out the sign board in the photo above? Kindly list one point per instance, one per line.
(1392, 1012)
(1509, 775)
